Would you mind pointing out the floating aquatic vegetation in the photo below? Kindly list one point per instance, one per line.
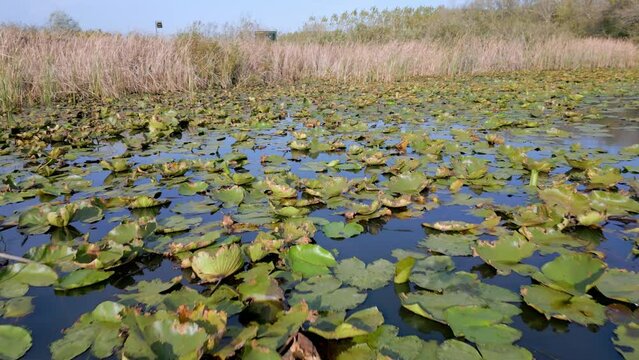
(224, 261)
(15, 341)
(339, 230)
(553, 303)
(310, 259)
(260, 224)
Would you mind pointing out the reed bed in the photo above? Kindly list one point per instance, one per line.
(42, 66)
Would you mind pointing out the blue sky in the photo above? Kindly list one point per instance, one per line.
(140, 15)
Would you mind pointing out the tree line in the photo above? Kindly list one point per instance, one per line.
(527, 19)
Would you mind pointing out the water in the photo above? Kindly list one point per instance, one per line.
(546, 339)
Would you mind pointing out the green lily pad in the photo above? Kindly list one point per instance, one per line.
(148, 292)
(62, 216)
(582, 162)
(385, 342)
(116, 165)
(565, 200)
(32, 274)
(174, 168)
(253, 351)
(12, 289)
(288, 323)
(627, 341)
(604, 178)
(129, 231)
(432, 305)
(327, 187)
(17, 307)
(448, 244)
(242, 178)
(506, 252)
(82, 277)
(310, 259)
(356, 273)
(88, 213)
(557, 304)
(144, 202)
(480, 325)
(177, 223)
(468, 167)
(194, 207)
(504, 352)
(34, 220)
(440, 281)
(335, 326)
(408, 183)
(213, 267)
(231, 196)
(291, 211)
(613, 203)
(192, 188)
(456, 350)
(620, 284)
(324, 292)
(244, 335)
(258, 285)
(163, 338)
(98, 330)
(573, 273)
(403, 269)
(14, 342)
(339, 230)
(281, 191)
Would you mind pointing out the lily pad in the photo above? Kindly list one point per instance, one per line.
(408, 183)
(403, 269)
(310, 259)
(82, 277)
(613, 203)
(335, 326)
(620, 284)
(504, 352)
(231, 196)
(33, 274)
(627, 341)
(456, 350)
(451, 226)
(160, 337)
(14, 342)
(356, 273)
(213, 267)
(326, 293)
(480, 324)
(448, 244)
(557, 304)
(192, 188)
(16, 307)
(506, 252)
(572, 273)
(98, 330)
(258, 285)
(468, 167)
(339, 230)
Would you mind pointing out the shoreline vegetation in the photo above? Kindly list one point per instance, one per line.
(43, 65)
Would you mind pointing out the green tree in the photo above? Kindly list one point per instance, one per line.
(61, 21)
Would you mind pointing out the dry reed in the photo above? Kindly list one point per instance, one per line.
(42, 66)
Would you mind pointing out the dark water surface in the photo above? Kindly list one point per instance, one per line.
(546, 339)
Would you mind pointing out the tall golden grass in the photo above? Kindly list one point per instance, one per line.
(42, 66)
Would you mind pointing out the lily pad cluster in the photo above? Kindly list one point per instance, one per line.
(259, 225)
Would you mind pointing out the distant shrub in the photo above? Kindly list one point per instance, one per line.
(61, 21)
